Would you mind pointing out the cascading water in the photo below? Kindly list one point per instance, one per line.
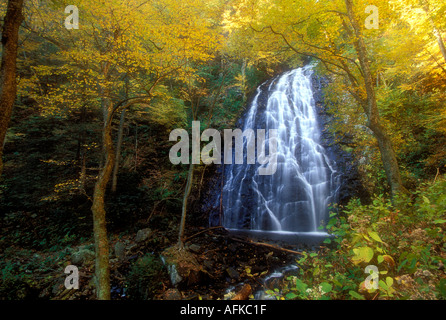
(296, 197)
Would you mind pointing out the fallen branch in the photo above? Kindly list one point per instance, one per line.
(202, 231)
(262, 244)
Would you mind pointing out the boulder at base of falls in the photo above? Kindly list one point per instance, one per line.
(183, 267)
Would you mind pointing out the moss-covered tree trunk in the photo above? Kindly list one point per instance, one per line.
(118, 152)
(370, 107)
(8, 83)
(102, 267)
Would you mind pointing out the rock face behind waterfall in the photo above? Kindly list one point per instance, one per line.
(312, 171)
(350, 184)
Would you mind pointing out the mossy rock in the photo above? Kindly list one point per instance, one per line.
(183, 267)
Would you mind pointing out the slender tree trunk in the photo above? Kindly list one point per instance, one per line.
(8, 82)
(201, 181)
(189, 183)
(187, 191)
(136, 146)
(388, 155)
(102, 267)
(436, 31)
(83, 176)
(244, 80)
(105, 103)
(81, 135)
(119, 142)
(118, 151)
(102, 263)
(440, 43)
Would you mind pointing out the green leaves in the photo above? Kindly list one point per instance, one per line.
(408, 261)
(375, 236)
(291, 296)
(301, 286)
(326, 287)
(386, 287)
(356, 295)
(362, 254)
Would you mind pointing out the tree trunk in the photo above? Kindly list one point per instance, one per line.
(119, 142)
(388, 158)
(436, 31)
(187, 191)
(388, 155)
(440, 43)
(118, 151)
(8, 82)
(136, 146)
(102, 267)
(105, 103)
(83, 176)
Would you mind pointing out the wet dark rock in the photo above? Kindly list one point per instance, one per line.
(350, 181)
(194, 248)
(118, 292)
(274, 282)
(233, 274)
(143, 234)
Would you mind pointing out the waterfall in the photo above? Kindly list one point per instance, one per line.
(296, 197)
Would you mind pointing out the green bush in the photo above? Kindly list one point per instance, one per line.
(404, 240)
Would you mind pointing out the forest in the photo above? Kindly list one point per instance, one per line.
(94, 96)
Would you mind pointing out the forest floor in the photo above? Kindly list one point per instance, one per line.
(226, 264)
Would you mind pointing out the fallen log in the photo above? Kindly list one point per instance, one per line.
(202, 231)
(268, 245)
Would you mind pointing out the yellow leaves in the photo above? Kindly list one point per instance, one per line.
(240, 81)
(161, 37)
(70, 186)
(374, 236)
(57, 162)
(362, 254)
